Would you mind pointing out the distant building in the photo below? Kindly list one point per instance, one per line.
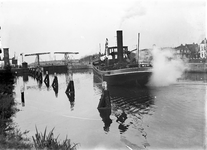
(203, 49)
(188, 51)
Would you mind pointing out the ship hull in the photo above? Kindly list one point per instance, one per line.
(128, 77)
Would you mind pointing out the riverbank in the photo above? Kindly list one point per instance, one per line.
(50, 68)
(191, 67)
(196, 67)
(9, 136)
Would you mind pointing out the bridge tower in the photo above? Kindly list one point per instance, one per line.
(38, 56)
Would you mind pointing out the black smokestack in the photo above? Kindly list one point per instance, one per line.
(120, 46)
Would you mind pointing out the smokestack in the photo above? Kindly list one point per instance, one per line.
(120, 45)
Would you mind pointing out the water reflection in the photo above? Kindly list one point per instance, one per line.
(25, 77)
(55, 89)
(70, 87)
(47, 80)
(40, 85)
(40, 78)
(105, 115)
(121, 120)
(131, 120)
(104, 108)
(70, 90)
(71, 98)
(129, 105)
(69, 75)
(55, 85)
(22, 94)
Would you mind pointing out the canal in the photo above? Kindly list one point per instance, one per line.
(140, 118)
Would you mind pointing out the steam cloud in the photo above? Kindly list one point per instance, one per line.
(167, 68)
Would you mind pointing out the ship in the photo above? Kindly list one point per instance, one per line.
(117, 68)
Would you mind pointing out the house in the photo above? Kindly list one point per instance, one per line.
(190, 51)
(203, 49)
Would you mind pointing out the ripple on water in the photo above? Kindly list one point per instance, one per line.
(171, 117)
(179, 115)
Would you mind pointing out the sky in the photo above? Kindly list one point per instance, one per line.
(34, 26)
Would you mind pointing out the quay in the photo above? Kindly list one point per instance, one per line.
(51, 68)
(196, 67)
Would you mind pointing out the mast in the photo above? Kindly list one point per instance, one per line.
(22, 57)
(106, 52)
(106, 47)
(99, 50)
(138, 49)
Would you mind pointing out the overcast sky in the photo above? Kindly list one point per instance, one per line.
(30, 26)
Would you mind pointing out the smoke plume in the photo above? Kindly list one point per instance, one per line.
(167, 67)
(136, 10)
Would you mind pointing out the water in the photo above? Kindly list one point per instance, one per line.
(148, 118)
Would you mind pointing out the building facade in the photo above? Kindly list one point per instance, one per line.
(203, 49)
(188, 51)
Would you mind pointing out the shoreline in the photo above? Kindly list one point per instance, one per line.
(192, 67)
(197, 67)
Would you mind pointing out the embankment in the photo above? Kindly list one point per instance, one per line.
(197, 67)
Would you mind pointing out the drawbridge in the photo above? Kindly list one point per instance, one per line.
(37, 56)
(66, 56)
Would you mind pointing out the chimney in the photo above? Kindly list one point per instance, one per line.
(120, 45)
